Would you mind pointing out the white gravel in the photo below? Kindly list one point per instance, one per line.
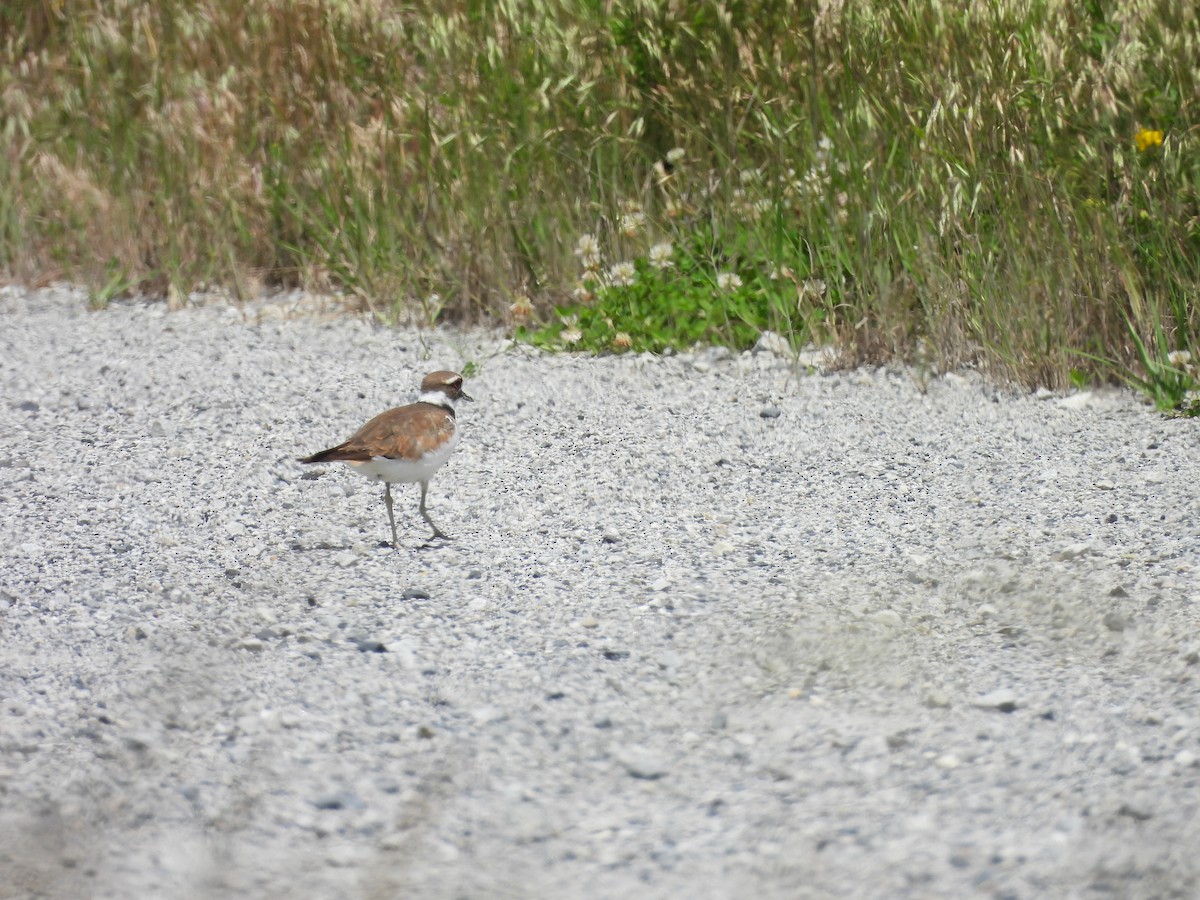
(710, 628)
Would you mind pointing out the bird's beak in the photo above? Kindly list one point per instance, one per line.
(463, 395)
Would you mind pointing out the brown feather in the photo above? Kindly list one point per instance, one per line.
(407, 432)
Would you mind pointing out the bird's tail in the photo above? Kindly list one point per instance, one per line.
(333, 454)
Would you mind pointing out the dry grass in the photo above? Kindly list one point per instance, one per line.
(984, 180)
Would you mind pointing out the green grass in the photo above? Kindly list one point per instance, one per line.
(982, 181)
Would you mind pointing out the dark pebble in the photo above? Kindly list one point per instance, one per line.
(340, 800)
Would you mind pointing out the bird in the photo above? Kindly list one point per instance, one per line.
(407, 444)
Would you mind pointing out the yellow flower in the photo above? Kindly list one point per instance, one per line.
(1147, 138)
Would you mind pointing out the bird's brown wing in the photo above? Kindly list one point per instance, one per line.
(408, 432)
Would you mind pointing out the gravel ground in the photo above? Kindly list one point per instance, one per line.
(710, 628)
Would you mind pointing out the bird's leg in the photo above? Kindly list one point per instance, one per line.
(437, 532)
(387, 501)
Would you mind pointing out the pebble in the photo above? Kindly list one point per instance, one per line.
(1114, 621)
(414, 594)
(1074, 551)
(1003, 699)
(773, 343)
(343, 856)
(770, 412)
(1136, 809)
(935, 698)
(342, 799)
(640, 762)
(887, 617)
(816, 358)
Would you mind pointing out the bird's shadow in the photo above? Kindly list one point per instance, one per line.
(434, 543)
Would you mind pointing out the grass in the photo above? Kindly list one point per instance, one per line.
(1011, 185)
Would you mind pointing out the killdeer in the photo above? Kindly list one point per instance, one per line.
(405, 444)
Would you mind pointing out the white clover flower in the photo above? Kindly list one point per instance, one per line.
(811, 184)
(660, 255)
(622, 274)
(587, 248)
(749, 176)
(728, 281)
(632, 223)
(521, 308)
(824, 148)
(622, 341)
(1179, 358)
(814, 288)
(572, 336)
(778, 272)
(583, 293)
(674, 155)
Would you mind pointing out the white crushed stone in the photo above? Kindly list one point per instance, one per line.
(677, 648)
